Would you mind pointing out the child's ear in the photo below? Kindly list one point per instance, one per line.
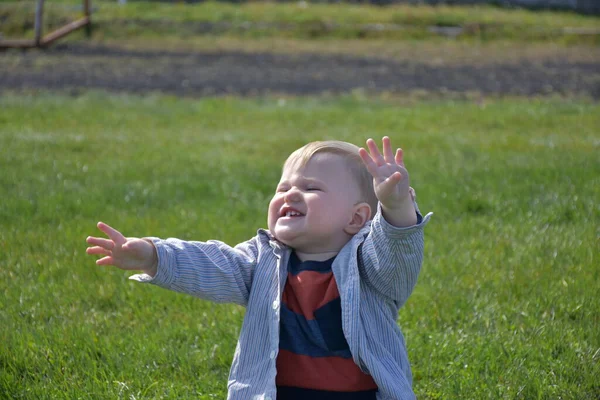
(362, 213)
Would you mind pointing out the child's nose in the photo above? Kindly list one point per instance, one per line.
(292, 195)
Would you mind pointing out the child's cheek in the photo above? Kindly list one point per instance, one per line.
(273, 212)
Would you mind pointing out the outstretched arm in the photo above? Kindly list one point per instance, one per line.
(210, 270)
(391, 183)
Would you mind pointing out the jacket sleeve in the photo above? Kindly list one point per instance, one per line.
(210, 270)
(390, 258)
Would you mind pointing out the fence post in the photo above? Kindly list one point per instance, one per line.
(86, 10)
(39, 11)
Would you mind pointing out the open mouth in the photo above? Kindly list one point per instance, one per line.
(290, 212)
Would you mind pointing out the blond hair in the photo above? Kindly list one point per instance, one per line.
(349, 154)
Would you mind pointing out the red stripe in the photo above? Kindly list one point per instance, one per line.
(306, 292)
(321, 373)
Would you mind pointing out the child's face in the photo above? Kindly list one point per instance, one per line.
(314, 204)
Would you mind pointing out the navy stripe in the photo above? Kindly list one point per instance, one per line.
(305, 337)
(290, 393)
(329, 318)
(296, 266)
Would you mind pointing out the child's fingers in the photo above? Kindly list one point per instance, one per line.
(98, 251)
(399, 157)
(368, 161)
(388, 155)
(108, 260)
(386, 188)
(375, 154)
(106, 243)
(112, 233)
(394, 178)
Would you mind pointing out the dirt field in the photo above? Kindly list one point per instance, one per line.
(80, 65)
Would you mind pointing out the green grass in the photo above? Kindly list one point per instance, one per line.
(507, 305)
(311, 21)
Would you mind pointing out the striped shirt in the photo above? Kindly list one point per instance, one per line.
(375, 272)
(313, 352)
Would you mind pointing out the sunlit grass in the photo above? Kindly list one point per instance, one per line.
(507, 305)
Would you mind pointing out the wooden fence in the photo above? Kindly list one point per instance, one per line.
(41, 41)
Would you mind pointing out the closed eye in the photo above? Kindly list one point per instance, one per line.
(313, 189)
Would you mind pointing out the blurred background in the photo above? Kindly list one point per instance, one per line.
(516, 47)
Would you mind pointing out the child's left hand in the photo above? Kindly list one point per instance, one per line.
(390, 181)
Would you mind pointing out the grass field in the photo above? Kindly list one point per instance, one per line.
(507, 305)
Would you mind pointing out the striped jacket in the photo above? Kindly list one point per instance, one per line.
(375, 272)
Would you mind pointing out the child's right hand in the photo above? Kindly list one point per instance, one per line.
(124, 253)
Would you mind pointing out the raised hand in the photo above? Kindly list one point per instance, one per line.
(390, 177)
(124, 253)
(390, 181)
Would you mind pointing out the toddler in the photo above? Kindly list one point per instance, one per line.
(322, 286)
